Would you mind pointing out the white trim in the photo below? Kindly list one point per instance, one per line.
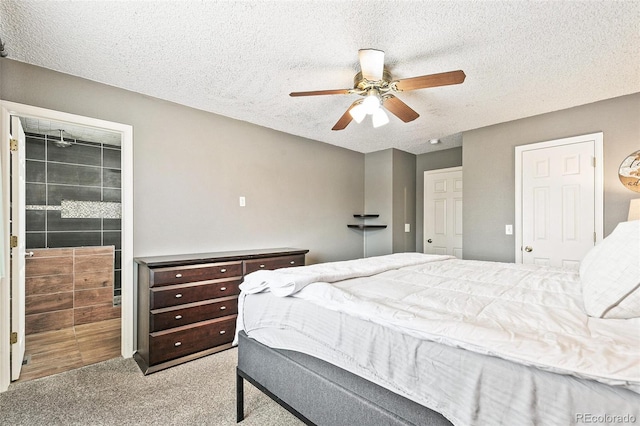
(127, 313)
(598, 152)
(448, 169)
(5, 281)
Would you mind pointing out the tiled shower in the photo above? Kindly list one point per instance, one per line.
(73, 209)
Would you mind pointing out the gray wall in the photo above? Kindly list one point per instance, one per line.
(404, 201)
(378, 190)
(431, 161)
(191, 166)
(489, 168)
(390, 187)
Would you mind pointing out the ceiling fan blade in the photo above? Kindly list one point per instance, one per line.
(346, 118)
(321, 92)
(399, 108)
(432, 80)
(371, 63)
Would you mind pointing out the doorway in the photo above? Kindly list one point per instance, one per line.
(73, 247)
(443, 211)
(559, 200)
(125, 134)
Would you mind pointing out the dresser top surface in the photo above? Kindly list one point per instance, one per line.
(221, 256)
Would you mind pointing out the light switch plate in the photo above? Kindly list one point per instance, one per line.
(508, 229)
(407, 227)
(243, 202)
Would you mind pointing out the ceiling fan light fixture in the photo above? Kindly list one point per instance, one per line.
(379, 118)
(358, 113)
(371, 102)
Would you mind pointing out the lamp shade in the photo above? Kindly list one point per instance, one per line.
(371, 102)
(371, 63)
(379, 118)
(358, 113)
(634, 209)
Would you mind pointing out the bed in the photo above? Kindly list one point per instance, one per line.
(410, 338)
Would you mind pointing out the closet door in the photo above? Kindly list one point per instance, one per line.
(443, 212)
(559, 201)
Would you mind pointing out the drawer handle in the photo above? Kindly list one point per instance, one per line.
(223, 288)
(176, 344)
(222, 331)
(178, 275)
(223, 270)
(262, 266)
(222, 308)
(178, 317)
(293, 262)
(178, 296)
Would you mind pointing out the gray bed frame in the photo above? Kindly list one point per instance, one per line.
(319, 393)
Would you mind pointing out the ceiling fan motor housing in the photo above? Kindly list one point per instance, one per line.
(361, 85)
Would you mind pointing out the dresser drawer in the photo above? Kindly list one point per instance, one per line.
(162, 319)
(273, 263)
(167, 345)
(163, 297)
(193, 273)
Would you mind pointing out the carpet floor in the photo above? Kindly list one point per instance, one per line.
(115, 392)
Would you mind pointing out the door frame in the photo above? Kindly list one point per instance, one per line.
(127, 307)
(424, 198)
(598, 140)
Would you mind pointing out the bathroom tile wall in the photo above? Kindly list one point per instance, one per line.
(84, 171)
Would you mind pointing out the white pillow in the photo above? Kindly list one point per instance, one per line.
(610, 274)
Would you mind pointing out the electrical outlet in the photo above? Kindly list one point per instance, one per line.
(508, 229)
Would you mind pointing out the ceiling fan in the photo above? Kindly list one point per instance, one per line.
(375, 85)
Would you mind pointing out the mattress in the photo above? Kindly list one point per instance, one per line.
(467, 382)
(466, 387)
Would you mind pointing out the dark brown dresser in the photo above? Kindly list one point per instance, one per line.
(187, 304)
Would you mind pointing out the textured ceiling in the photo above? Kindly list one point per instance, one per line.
(71, 131)
(242, 58)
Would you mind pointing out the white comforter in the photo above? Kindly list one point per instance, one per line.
(528, 314)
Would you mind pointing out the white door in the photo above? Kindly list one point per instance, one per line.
(443, 212)
(18, 250)
(559, 202)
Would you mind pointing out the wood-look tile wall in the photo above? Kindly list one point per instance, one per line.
(69, 286)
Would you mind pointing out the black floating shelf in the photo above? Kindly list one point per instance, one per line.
(365, 216)
(367, 226)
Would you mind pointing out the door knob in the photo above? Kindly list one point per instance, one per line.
(429, 240)
(528, 249)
